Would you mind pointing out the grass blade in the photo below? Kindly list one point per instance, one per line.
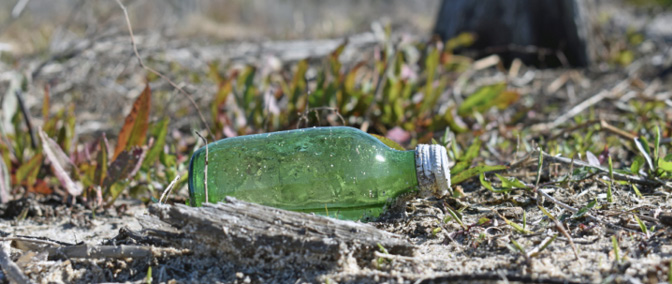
(614, 244)
(610, 197)
(472, 172)
(643, 147)
(540, 165)
(642, 226)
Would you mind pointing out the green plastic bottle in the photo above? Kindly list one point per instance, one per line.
(341, 172)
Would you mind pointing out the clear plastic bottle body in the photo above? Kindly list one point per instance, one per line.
(339, 171)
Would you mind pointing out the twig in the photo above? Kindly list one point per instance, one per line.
(31, 240)
(574, 210)
(126, 234)
(618, 176)
(562, 230)
(205, 170)
(536, 250)
(588, 103)
(87, 251)
(10, 268)
(395, 257)
(579, 108)
(157, 73)
(26, 117)
(604, 125)
(170, 187)
(616, 130)
(579, 241)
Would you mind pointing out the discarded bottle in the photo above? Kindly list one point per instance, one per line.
(341, 172)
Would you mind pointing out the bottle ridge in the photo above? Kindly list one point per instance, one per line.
(341, 172)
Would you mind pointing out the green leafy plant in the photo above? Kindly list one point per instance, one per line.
(657, 165)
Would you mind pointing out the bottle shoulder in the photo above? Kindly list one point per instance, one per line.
(298, 136)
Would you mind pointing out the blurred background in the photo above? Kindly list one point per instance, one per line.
(81, 49)
(44, 23)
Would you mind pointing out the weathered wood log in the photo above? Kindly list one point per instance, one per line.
(13, 272)
(249, 233)
(539, 32)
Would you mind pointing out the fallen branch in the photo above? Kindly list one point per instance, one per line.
(116, 252)
(617, 176)
(590, 102)
(251, 233)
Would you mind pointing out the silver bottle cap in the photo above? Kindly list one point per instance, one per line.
(431, 163)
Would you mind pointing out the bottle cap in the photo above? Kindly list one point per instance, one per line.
(431, 164)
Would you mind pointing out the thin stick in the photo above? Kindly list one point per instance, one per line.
(395, 257)
(170, 186)
(26, 117)
(157, 73)
(562, 230)
(10, 268)
(205, 170)
(536, 250)
(605, 125)
(31, 240)
(618, 176)
(574, 210)
(579, 108)
(589, 102)
(118, 252)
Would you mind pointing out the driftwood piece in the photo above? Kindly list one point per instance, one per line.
(254, 234)
(13, 272)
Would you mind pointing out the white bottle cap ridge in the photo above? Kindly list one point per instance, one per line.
(431, 163)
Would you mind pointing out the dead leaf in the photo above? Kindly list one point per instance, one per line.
(134, 131)
(125, 166)
(55, 155)
(41, 187)
(399, 135)
(592, 160)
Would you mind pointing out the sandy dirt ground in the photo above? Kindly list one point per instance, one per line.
(54, 241)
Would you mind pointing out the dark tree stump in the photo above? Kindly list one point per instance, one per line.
(546, 33)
